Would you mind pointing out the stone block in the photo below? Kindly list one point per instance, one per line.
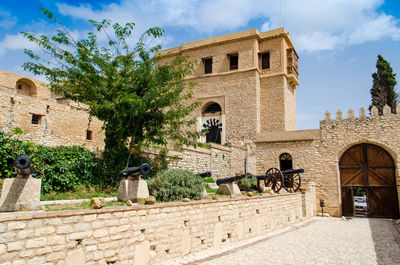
(132, 190)
(229, 189)
(76, 257)
(186, 242)
(20, 193)
(97, 203)
(142, 253)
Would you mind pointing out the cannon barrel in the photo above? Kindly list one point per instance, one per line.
(231, 179)
(292, 171)
(205, 174)
(259, 177)
(143, 169)
(22, 163)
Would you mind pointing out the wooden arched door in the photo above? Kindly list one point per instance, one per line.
(372, 168)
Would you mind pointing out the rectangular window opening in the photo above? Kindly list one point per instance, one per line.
(36, 119)
(89, 135)
(233, 61)
(265, 62)
(207, 65)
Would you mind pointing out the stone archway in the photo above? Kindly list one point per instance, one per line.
(26, 87)
(372, 169)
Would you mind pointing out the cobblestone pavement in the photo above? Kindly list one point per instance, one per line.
(324, 241)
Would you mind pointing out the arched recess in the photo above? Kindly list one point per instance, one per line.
(370, 168)
(211, 119)
(285, 161)
(26, 87)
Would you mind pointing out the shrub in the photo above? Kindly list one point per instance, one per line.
(176, 184)
(62, 168)
(247, 183)
(209, 180)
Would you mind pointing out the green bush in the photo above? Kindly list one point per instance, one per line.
(209, 180)
(247, 183)
(176, 184)
(62, 168)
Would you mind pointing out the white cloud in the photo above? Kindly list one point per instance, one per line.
(7, 20)
(315, 25)
(15, 42)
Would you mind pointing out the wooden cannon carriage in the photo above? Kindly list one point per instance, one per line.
(290, 179)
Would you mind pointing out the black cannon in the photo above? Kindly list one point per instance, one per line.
(206, 174)
(23, 165)
(290, 179)
(143, 169)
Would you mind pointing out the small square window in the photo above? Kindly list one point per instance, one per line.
(36, 119)
(207, 65)
(19, 86)
(89, 135)
(233, 61)
(265, 62)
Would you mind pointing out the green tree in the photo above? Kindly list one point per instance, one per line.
(138, 100)
(382, 91)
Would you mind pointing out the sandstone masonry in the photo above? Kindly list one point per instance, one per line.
(155, 234)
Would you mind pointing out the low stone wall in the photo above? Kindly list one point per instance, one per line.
(153, 234)
(220, 160)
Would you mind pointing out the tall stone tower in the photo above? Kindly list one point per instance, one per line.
(246, 82)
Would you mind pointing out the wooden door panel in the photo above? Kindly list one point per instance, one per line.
(377, 156)
(381, 177)
(371, 167)
(347, 202)
(353, 157)
(382, 202)
(352, 177)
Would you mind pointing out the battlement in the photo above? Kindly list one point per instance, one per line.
(362, 114)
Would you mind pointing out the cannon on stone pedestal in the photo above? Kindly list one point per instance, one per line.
(290, 179)
(23, 191)
(132, 187)
(144, 169)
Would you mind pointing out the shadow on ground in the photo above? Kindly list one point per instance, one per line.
(386, 237)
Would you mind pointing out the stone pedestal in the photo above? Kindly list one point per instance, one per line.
(229, 189)
(20, 193)
(132, 190)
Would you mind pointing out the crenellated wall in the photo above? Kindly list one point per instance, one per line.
(319, 151)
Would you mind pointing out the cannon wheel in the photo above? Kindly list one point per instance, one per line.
(275, 179)
(292, 182)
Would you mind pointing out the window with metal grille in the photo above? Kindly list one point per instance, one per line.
(265, 62)
(89, 135)
(207, 65)
(233, 61)
(35, 119)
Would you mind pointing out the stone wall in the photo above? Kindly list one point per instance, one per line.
(153, 234)
(220, 160)
(60, 122)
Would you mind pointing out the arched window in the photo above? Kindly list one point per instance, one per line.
(26, 87)
(211, 107)
(285, 161)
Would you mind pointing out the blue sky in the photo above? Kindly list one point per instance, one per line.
(337, 40)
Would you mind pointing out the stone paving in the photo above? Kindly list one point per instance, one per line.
(324, 241)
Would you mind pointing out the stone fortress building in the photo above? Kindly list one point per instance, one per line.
(246, 83)
(44, 118)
